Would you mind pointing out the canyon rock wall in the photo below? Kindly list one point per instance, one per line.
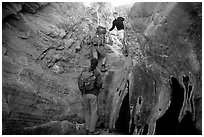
(167, 82)
(44, 48)
(152, 91)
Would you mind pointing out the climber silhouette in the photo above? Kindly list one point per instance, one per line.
(90, 83)
(98, 50)
(118, 23)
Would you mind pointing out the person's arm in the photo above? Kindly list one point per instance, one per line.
(113, 26)
(98, 80)
(81, 85)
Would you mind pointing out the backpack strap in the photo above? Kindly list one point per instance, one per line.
(98, 78)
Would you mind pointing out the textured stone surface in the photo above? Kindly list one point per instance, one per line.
(170, 41)
(46, 45)
(44, 49)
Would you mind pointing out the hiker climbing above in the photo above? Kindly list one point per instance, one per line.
(118, 23)
(120, 33)
(90, 83)
(98, 50)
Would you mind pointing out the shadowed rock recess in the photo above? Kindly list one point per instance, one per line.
(157, 89)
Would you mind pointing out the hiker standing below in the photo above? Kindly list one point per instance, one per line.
(90, 83)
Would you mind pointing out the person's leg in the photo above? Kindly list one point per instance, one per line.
(103, 37)
(121, 35)
(86, 111)
(104, 61)
(122, 39)
(103, 57)
(115, 40)
(118, 39)
(112, 39)
(94, 52)
(103, 54)
(94, 115)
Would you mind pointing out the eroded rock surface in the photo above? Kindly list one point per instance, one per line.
(167, 84)
(44, 49)
(46, 45)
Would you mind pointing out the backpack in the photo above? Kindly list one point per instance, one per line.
(99, 40)
(87, 80)
(101, 30)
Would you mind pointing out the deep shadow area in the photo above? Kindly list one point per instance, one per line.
(187, 126)
(166, 125)
(145, 130)
(169, 124)
(132, 127)
(122, 123)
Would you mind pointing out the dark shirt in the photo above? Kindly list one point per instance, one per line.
(118, 23)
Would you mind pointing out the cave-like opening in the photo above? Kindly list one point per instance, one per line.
(122, 123)
(167, 124)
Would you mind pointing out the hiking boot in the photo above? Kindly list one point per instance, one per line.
(94, 133)
(87, 132)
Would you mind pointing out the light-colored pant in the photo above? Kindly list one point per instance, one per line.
(120, 34)
(90, 108)
(118, 37)
(99, 50)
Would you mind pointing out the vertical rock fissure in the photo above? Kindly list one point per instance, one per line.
(168, 123)
(122, 123)
(132, 126)
(145, 130)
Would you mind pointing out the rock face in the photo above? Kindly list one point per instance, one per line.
(43, 50)
(166, 85)
(155, 90)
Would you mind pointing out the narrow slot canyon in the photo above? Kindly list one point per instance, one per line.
(151, 82)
